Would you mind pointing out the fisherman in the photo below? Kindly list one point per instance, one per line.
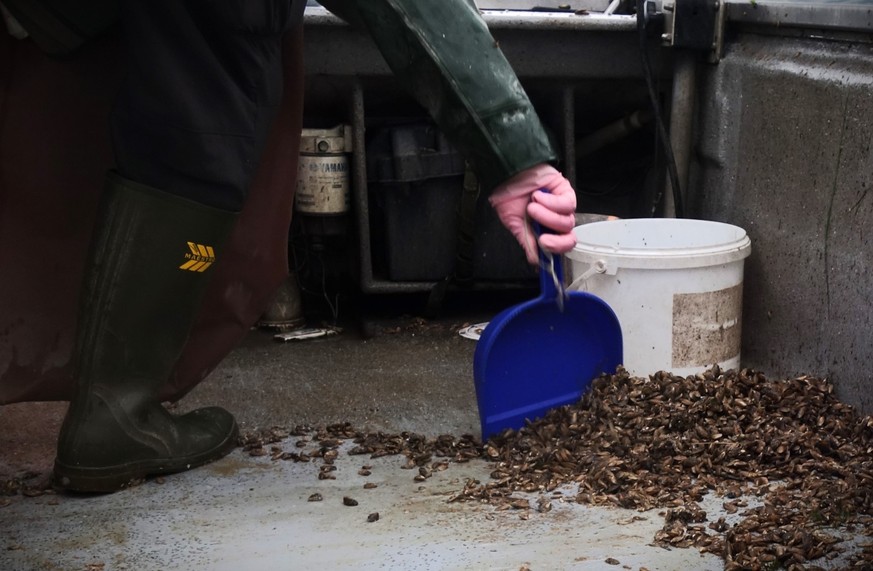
(204, 132)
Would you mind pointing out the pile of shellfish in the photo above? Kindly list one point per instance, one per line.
(791, 465)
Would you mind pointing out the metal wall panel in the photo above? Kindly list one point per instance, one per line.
(785, 127)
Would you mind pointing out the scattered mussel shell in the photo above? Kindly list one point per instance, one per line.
(666, 442)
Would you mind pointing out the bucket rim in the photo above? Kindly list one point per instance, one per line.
(583, 242)
(722, 251)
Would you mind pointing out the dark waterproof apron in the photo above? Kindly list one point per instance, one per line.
(54, 153)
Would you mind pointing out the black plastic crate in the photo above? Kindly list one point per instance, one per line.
(416, 183)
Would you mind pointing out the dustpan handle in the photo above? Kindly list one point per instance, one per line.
(551, 269)
(548, 262)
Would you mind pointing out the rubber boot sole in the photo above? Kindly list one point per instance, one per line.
(107, 479)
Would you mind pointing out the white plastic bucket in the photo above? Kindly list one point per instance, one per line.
(676, 286)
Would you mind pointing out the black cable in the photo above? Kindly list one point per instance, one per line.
(659, 120)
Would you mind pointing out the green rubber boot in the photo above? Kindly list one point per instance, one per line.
(149, 263)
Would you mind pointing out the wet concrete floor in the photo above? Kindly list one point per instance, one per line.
(382, 372)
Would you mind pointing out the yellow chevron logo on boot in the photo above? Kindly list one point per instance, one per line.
(199, 258)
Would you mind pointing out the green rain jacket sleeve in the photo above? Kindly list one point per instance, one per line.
(443, 54)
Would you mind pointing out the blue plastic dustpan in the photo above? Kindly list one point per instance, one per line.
(536, 355)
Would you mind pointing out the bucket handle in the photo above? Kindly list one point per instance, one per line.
(598, 267)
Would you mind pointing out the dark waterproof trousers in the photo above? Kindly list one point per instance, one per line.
(198, 98)
(203, 84)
